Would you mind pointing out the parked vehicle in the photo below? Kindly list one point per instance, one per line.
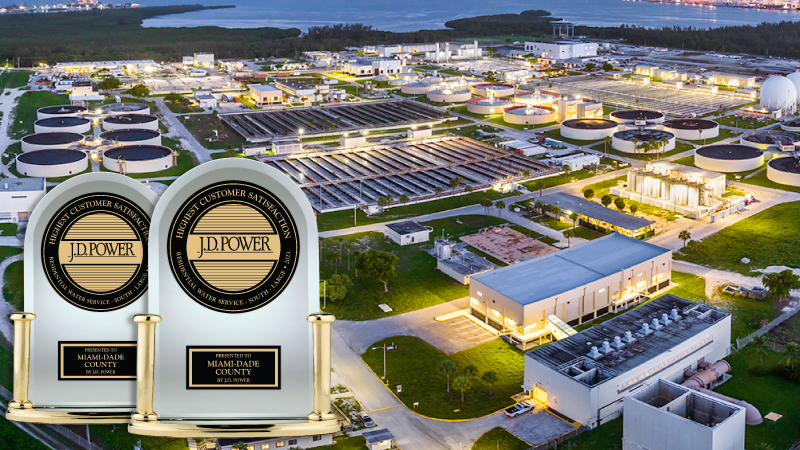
(519, 408)
(366, 420)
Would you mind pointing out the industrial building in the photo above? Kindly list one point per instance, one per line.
(84, 91)
(663, 415)
(407, 232)
(340, 179)
(276, 443)
(560, 50)
(730, 79)
(331, 120)
(434, 51)
(137, 66)
(586, 375)
(18, 198)
(541, 298)
(296, 89)
(203, 59)
(687, 190)
(265, 94)
(372, 66)
(597, 217)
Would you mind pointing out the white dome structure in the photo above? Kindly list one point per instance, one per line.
(794, 77)
(779, 93)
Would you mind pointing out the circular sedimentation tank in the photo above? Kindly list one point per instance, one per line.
(588, 129)
(42, 141)
(792, 125)
(487, 105)
(116, 109)
(633, 115)
(132, 137)
(529, 115)
(69, 124)
(784, 170)
(543, 98)
(627, 140)
(692, 129)
(130, 122)
(51, 163)
(450, 95)
(770, 139)
(728, 157)
(60, 111)
(498, 89)
(138, 159)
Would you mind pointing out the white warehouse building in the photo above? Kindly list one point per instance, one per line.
(372, 66)
(18, 198)
(587, 375)
(562, 49)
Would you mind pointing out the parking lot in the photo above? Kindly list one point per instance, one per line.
(673, 102)
(464, 329)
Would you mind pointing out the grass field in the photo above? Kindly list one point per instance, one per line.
(348, 443)
(25, 111)
(15, 79)
(760, 179)
(197, 124)
(179, 108)
(606, 437)
(13, 438)
(724, 133)
(8, 229)
(499, 439)
(417, 283)
(12, 151)
(13, 279)
(344, 219)
(767, 238)
(604, 187)
(743, 124)
(414, 364)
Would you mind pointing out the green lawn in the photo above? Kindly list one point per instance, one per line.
(553, 223)
(414, 364)
(768, 238)
(743, 124)
(15, 79)
(463, 110)
(13, 280)
(724, 133)
(344, 219)
(348, 443)
(768, 393)
(120, 439)
(12, 151)
(557, 180)
(499, 439)
(197, 124)
(7, 229)
(13, 438)
(25, 111)
(179, 108)
(605, 437)
(417, 283)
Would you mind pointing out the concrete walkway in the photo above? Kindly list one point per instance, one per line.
(180, 132)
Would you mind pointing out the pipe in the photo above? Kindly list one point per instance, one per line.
(698, 381)
(751, 414)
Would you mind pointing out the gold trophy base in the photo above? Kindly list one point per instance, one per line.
(68, 416)
(233, 428)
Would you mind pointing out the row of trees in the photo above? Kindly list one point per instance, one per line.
(377, 264)
(463, 382)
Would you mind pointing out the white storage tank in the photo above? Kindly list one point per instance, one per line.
(52, 163)
(116, 109)
(131, 137)
(62, 124)
(41, 141)
(130, 122)
(728, 158)
(60, 111)
(588, 129)
(138, 159)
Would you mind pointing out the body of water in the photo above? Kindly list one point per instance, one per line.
(411, 15)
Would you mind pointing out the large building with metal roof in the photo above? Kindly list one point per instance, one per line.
(586, 376)
(540, 299)
(598, 217)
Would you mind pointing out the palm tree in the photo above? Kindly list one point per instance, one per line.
(526, 173)
(607, 142)
(500, 205)
(462, 383)
(569, 234)
(635, 143)
(539, 206)
(684, 236)
(438, 190)
(383, 201)
(574, 218)
(539, 187)
(486, 203)
(455, 183)
(700, 135)
(404, 199)
(341, 247)
(468, 188)
(792, 354)
(490, 377)
(470, 370)
(762, 345)
(239, 446)
(447, 367)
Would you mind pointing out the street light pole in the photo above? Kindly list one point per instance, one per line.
(384, 361)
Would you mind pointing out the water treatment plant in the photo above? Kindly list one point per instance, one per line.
(784, 170)
(645, 140)
(529, 115)
(729, 158)
(772, 139)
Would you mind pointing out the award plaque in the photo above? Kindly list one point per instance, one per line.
(226, 349)
(86, 275)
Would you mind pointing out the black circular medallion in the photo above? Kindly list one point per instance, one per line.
(233, 246)
(94, 251)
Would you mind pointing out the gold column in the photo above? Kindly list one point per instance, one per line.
(321, 329)
(145, 366)
(22, 360)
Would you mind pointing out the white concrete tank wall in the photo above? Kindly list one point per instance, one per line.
(485, 106)
(131, 165)
(628, 146)
(586, 134)
(32, 169)
(116, 109)
(692, 134)
(62, 125)
(780, 176)
(48, 112)
(518, 115)
(499, 90)
(66, 140)
(449, 95)
(728, 165)
(147, 138)
(110, 124)
(415, 88)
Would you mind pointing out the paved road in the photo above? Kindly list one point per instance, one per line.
(180, 132)
(7, 103)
